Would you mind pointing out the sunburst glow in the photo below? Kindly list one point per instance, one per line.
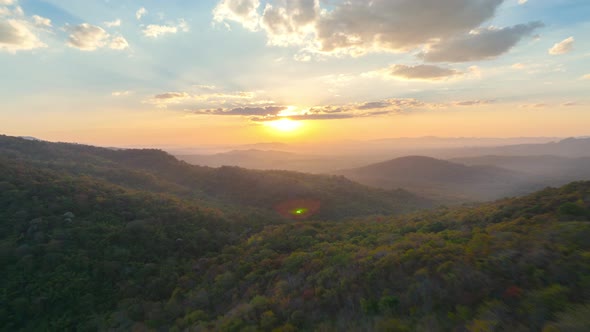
(285, 125)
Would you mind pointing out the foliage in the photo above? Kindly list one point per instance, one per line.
(79, 252)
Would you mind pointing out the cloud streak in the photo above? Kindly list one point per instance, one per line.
(481, 44)
(422, 72)
(272, 111)
(155, 30)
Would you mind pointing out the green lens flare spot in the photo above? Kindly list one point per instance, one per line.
(299, 212)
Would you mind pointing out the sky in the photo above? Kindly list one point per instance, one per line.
(180, 72)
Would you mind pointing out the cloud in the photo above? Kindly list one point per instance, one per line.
(242, 11)
(41, 21)
(522, 2)
(118, 43)
(362, 25)
(18, 32)
(112, 24)
(141, 12)
(121, 93)
(18, 35)
(563, 47)
(537, 105)
(209, 100)
(155, 31)
(205, 87)
(357, 27)
(266, 111)
(321, 112)
(373, 105)
(474, 102)
(353, 110)
(518, 66)
(87, 37)
(422, 72)
(480, 44)
(586, 77)
(258, 107)
(172, 95)
(302, 117)
(292, 24)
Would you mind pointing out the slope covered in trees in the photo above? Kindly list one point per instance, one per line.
(515, 265)
(73, 248)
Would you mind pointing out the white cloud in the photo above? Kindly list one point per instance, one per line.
(242, 11)
(88, 37)
(118, 43)
(293, 24)
(18, 35)
(41, 21)
(121, 93)
(586, 77)
(522, 2)
(155, 30)
(19, 32)
(111, 24)
(141, 12)
(563, 47)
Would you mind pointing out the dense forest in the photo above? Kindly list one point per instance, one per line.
(96, 239)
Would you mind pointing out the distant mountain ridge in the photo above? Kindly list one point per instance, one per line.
(324, 158)
(432, 176)
(159, 172)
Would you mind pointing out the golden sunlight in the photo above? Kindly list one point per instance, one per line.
(285, 125)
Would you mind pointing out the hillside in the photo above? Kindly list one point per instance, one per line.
(73, 249)
(80, 253)
(515, 265)
(440, 178)
(226, 187)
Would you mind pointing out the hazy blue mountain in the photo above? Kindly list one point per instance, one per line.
(440, 178)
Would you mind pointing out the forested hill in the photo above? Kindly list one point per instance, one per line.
(80, 253)
(515, 265)
(155, 171)
(74, 249)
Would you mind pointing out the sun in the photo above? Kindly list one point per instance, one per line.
(285, 125)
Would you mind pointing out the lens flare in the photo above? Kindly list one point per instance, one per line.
(298, 209)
